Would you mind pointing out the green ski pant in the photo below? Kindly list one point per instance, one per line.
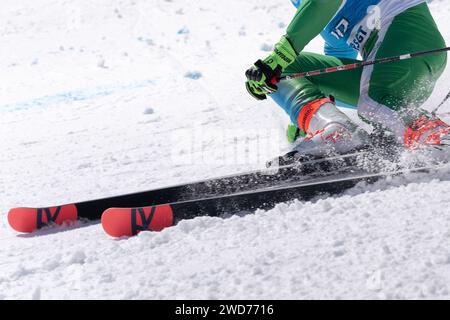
(389, 95)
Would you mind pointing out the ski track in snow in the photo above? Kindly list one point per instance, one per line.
(92, 94)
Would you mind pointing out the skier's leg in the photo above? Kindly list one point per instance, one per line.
(306, 102)
(293, 95)
(392, 94)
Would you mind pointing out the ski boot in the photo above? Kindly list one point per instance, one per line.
(427, 132)
(429, 140)
(328, 131)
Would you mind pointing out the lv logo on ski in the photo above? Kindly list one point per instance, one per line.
(145, 222)
(49, 218)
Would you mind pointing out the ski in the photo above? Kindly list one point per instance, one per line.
(290, 171)
(127, 215)
(126, 222)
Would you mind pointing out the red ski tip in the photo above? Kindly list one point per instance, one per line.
(118, 222)
(27, 220)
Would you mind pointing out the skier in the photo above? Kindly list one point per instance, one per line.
(388, 96)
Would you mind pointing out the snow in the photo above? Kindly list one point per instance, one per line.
(102, 98)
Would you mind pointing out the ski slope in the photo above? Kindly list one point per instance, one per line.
(100, 98)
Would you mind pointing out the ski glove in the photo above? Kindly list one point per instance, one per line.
(263, 76)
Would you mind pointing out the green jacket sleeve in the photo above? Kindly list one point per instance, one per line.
(310, 20)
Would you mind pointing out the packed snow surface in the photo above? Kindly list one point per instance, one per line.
(102, 98)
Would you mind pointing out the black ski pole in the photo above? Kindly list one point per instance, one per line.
(362, 64)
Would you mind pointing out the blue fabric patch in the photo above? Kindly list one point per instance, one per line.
(338, 31)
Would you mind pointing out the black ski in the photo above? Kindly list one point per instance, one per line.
(292, 171)
(119, 222)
